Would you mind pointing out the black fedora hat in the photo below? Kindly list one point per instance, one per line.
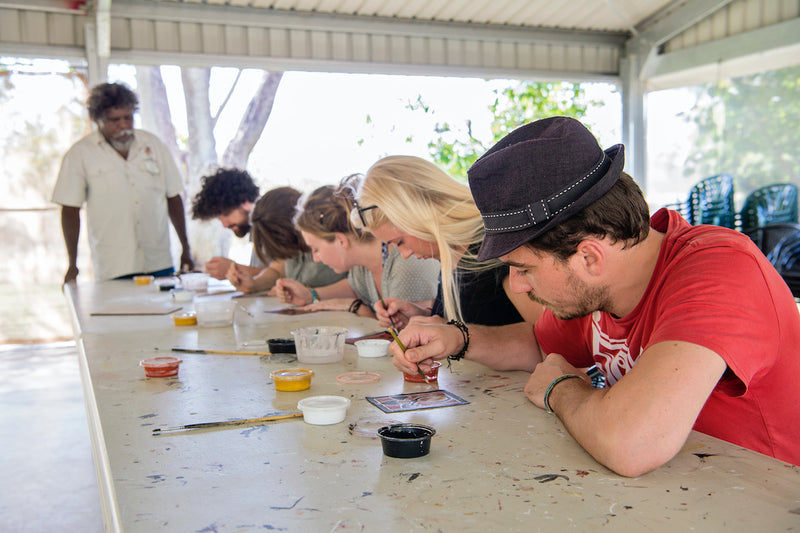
(536, 177)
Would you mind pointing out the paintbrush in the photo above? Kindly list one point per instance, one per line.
(400, 344)
(393, 331)
(240, 422)
(192, 350)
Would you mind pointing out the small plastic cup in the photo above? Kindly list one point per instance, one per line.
(181, 295)
(372, 347)
(292, 379)
(213, 313)
(406, 440)
(281, 345)
(160, 367)
(324, 344)
(195, 281)
(323, 410)
(187, 318)
(432, 374)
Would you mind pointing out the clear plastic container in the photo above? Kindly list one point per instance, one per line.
(319, 344)
(213, 313)
(196, 281)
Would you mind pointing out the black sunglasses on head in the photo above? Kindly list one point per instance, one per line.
(359, 212)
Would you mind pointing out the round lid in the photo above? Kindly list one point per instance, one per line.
(357, 378)
(158, 362)
(292, 374)
(323, 403)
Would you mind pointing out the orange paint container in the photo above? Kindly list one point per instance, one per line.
(292, 379)
(432, 374)
(188, 318)
(160, 367)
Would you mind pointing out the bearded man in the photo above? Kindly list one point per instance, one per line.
(131, 186)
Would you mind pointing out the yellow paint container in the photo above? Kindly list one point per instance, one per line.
(292, 379)
(143, 280)
(189, 318)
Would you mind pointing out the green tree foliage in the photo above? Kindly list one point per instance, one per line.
(455, 149)
(748, 127)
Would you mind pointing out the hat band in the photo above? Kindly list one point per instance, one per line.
(546, 208)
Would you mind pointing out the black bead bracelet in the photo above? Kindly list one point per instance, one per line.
(464, 333)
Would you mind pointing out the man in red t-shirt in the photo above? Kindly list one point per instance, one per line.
(690, 326)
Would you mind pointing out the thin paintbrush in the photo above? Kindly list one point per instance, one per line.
(240, 422)
(393, 331)
(193, 350)
(400, 344)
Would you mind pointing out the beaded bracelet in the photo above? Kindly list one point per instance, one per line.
(314, 296)
(464, 333)
(552, 385)
(355, 306)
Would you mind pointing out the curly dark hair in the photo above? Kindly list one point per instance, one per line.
(274, 233)
(621, 214)
(222, 192)
(105, 96)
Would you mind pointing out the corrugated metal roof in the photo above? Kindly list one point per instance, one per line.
(596, 15)
(543, 39)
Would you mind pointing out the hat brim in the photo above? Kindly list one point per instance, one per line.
(499, 244)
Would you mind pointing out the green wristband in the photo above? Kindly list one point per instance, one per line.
(552, 385)
(314, 296)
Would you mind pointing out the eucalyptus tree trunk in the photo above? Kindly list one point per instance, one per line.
(202, 147)
(207, 239)
(155, 112)
(252, 124)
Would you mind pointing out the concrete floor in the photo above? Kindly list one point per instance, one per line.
(46, 461)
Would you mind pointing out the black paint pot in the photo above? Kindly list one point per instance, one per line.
(406, 440)
(281, 345)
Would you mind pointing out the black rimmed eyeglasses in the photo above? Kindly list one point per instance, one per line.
(357, 214)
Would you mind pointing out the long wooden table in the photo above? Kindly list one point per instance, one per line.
(496, 464)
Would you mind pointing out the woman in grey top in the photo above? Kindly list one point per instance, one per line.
(373, 270)
(278, 244)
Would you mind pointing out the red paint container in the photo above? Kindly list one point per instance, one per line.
(432, 374)
(160, 367)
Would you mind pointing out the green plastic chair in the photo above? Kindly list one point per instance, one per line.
(711, 202)
(769, 205)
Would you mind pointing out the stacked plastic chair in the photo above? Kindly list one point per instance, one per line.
(769, 205)
(711, 202)
(786, 259)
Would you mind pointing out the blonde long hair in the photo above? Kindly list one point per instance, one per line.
(423, 201)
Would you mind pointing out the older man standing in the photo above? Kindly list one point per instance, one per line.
(691, 326)
(131, 186)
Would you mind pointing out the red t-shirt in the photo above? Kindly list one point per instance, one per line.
(712, 287)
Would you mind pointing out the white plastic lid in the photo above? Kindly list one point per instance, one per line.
(323, 403)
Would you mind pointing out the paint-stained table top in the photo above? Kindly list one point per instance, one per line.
(498, 463)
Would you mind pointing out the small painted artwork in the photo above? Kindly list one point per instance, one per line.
(289, 311)
(413, 401)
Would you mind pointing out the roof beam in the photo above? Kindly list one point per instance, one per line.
(766, 48)
(103, 24)
(672, 21)
(202, 13)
